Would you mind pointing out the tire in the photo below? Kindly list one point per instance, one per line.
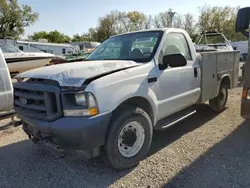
(218, 104)
(126, 121)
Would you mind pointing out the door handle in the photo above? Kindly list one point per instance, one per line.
(195, 72)
(153, 79)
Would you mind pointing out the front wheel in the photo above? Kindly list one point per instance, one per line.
(129, 138)
(218, 103)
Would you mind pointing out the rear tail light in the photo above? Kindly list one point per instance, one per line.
(245, 93)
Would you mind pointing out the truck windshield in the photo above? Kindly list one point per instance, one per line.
(139, 47)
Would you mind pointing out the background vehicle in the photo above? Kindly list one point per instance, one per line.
(131, 84)
(19, 61)
(42, 45)
(74, 57)
(6, 90)
(213, 41)
(242, 24)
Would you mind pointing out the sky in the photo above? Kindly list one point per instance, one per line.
(77, 16)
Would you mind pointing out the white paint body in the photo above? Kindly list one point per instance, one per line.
(175, 89)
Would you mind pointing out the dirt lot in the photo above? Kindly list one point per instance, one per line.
(206, 150)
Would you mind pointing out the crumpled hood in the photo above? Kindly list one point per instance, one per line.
(75, 74)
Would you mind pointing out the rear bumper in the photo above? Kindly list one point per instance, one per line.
(80, 133)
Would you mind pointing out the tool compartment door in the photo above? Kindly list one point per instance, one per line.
(208, 76)
(228, 65)
(236, 69)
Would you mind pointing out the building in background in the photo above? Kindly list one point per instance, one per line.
(43, 46)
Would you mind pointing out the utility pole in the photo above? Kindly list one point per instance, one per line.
(171, 15)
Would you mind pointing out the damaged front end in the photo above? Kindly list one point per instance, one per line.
(62, 118)
(57, 146)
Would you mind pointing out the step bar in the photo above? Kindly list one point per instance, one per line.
(175, 118)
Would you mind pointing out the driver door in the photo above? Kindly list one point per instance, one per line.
(178, 87)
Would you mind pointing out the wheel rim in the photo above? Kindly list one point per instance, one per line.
(131, 139)
(223, 95)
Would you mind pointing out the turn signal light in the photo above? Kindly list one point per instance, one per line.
(93, 111)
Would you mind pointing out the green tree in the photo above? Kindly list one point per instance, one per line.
(221, 19)
(163, 19)
(80, 38)
(13, 18)
(52, 36)
(189, 23)
(106, 28)
(93, 34)
(39, 35)
(76, 38)
(57, 37)
(119, 22)
(137, 20)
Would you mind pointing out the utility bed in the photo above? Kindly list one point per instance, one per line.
(214, 66)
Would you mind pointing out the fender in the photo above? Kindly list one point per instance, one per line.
(220, 80)
(109, 101)
(150, 97)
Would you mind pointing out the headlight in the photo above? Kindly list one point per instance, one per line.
(80, 104)
(80, 99)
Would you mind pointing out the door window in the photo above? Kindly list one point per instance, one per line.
(21, 48)
(177, 43)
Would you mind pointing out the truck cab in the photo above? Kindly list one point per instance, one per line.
(242, 25)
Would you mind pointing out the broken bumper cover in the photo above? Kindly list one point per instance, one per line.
(80, 133)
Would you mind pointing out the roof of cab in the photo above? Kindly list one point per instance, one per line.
(146, 30)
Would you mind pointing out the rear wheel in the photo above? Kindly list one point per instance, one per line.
(218, 103)
(129, 138)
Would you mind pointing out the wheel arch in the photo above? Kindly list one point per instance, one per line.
(226, 80)
(140, 102)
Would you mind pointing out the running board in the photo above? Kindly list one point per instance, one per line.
(175, 118)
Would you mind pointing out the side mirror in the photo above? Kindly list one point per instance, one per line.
(243, 20)
(174, 60)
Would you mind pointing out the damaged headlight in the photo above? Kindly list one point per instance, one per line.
(79, 104)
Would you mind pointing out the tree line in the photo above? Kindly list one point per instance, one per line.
(14, 19)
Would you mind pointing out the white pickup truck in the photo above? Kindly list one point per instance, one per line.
(128, 86)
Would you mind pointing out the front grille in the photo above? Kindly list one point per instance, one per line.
(38, 101)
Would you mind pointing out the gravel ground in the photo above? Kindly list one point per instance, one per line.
(205, 150)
